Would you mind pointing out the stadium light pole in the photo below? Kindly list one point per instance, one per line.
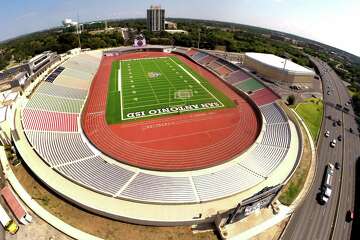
(77, 30)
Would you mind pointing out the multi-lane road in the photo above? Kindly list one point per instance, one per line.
(312, 220)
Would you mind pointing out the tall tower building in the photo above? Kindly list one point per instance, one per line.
(155, 19)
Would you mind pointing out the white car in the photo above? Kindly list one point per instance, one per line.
(327, 133)
(333, 143)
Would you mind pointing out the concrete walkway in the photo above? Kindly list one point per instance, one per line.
(36, 208)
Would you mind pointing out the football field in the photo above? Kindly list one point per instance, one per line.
(149, 87)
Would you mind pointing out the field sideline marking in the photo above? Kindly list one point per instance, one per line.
(119, 78)
(196, 80)
(121, 96)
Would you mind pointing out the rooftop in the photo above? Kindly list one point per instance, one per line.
(279, 63)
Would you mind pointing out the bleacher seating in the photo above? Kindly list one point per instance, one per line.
(223, 71)
(214, 65)
(198, 56)
(59, 148)
(60, 91)
(206, 60)
(264, 96)
(55, 104)
(229, 65)
(96, 173)
(154, 188)
(51, 78)
(249, 85)
(273, 114)
(263, 159)
(236, 77)
(49, 121)
(224, 182)
(277, 135)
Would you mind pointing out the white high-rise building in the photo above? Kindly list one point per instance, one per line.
(156, 19)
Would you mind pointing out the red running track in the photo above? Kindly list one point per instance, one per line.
(174, 143)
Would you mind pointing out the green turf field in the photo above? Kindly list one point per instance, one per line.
(144, 88)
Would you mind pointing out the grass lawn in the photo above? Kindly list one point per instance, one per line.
(311, 111)
(150, 87)
(292, 189)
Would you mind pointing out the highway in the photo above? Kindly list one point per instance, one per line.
(312, 220)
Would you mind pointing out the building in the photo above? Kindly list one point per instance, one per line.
(19, 77)
(69, 23)
(170, 25)
(156, 19)
(278, 69)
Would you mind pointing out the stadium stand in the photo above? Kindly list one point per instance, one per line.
(96, 173)
(214, 65)
(51, 78)
(227, 64)
(225, 182)
(198, 56)
(273, 114)
(277, 135)
(153, 188)
(206, 60)
(223, 71)
(55, 104)
(236, 77)
(249, 85)
(264, 159)
(60, 91)
(264, 96)
(59, 148)
(191, 52)
(49, 121)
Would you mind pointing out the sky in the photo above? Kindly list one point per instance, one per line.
(333, 22)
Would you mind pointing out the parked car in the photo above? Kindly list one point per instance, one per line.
(339, 138)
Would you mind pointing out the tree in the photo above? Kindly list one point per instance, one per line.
(291, 100)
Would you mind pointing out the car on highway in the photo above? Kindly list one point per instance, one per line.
(349, 216)
(333, 143)
(327, 133)
(338, 122)
(337, 165)
(351, 130)
(339, 138)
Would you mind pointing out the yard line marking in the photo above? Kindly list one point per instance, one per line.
(196, 80)
(147, 78)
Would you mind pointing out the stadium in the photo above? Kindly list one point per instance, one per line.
(157, 135)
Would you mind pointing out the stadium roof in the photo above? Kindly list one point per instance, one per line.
(279, 63)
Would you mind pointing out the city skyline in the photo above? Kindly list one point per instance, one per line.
(329, 22)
